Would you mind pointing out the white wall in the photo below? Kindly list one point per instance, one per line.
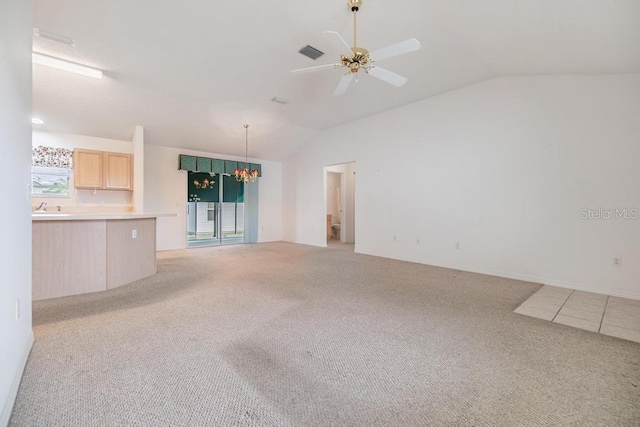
(503, 168)
(138, 170)
(86, 200)
(333, 196)
(166, 191)
(16, 336)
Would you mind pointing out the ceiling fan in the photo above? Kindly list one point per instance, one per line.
(356, 58)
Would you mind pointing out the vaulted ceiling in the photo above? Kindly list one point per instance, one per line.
(192, 72)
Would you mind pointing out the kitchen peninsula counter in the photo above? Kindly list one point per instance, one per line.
(78, 253)
(52, 216)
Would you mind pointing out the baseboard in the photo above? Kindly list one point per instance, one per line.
(13, 392)
(554, 282)
(525, 278)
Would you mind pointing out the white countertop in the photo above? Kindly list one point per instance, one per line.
(95, 216)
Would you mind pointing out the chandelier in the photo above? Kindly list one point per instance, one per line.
(245, 175)
(206, 183)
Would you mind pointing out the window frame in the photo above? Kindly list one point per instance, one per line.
(51, 171)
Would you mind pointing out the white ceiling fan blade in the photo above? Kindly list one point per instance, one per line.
(387, 76)
(312, 69)
(401, 48)
(344, 84)
(339, 42)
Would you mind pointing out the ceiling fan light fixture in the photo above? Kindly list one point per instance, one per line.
(354, 5)
(356, 58)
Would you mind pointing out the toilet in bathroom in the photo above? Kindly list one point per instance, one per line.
(335, 231)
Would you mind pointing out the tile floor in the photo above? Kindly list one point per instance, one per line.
(618, 317)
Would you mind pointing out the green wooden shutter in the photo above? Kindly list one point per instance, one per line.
(217, 166)
(203, 164)
(230, 166)
(187, 163)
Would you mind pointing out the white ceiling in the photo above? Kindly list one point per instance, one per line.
(192, 72)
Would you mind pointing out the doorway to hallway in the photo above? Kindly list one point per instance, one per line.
(340, 202)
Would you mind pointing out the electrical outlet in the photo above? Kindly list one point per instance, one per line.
(457, 245)
(17, 309)
(134, 234)
(617, 262)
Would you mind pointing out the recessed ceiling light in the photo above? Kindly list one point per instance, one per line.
(37, 121)
(62, 64)
(279, 101)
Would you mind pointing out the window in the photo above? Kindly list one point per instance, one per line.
(49, 181)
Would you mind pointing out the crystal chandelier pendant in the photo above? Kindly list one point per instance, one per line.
(245, 175)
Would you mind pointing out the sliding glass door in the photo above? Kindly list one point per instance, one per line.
(232, 218)
(215, 210)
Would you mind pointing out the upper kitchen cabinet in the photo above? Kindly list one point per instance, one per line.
(101, 170)
(88, 169)
(118, 171)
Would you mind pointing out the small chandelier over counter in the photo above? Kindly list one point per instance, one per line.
(244, 175)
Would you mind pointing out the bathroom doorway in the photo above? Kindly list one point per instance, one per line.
(340, 202)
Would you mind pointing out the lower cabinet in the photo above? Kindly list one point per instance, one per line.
(77, 257)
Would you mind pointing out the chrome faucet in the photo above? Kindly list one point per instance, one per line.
(42, 207)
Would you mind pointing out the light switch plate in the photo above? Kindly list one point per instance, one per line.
(134, 234)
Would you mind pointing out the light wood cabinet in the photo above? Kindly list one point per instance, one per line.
(88, 169)
(72, 257)
(100, 170)
(117, 171)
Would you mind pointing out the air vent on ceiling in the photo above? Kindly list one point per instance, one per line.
(279, 101)
(311, 52)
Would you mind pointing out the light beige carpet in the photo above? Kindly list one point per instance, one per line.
(288, 335)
